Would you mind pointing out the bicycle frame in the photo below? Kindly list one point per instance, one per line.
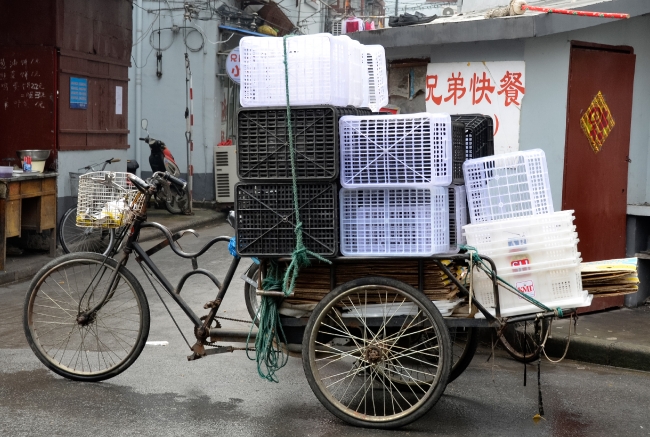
(201, 324)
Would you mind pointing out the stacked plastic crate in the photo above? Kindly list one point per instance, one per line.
(534, 248)
(395, 173)
(329, 77)
(479, 143)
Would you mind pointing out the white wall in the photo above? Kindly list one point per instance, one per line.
(164, 98)
(543, 114)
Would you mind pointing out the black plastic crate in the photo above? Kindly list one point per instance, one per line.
(458, 151)
(266, 218)
(263, 142)
(479, 139)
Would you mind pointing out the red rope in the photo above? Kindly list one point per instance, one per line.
(572, 12)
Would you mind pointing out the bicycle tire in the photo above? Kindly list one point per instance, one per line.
(376, 354)
(75, 239)
(117, 332)
(178, 203)
(250, 293)
(523, 348)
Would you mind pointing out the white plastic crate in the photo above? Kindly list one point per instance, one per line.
(318, 70)
(457, 217)
(507, 186)
(357, 75)
(520, 231)
(555, 287)
(398, 221)
(517, 262)
(381, 150)
(522, 244)
(377, 86)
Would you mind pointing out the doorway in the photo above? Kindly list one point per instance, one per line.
(599, 110)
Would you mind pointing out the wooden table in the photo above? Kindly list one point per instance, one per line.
(27, 202)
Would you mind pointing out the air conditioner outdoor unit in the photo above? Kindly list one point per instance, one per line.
(225, 173)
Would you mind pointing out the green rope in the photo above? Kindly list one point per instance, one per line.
(269, 355)
(484, 266)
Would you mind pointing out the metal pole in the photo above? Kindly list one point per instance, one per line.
(138, 84)
(396, 8)
(189, 123)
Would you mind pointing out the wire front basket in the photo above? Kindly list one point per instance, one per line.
(107, 199)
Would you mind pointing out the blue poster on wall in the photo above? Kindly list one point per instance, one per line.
(78, 93)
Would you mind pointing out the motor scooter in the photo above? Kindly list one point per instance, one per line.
(175, 199)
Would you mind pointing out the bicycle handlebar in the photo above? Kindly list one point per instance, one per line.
(176, 181)
(113, 160)
(139, 183)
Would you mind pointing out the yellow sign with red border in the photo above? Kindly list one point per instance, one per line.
(597, 122)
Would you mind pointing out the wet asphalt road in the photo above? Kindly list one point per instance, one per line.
(164, 395)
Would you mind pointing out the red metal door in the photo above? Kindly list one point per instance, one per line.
(597, 147)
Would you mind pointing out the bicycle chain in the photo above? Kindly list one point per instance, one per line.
(218, 346)
(233, 320)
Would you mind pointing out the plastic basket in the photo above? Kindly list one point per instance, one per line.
(397, 221)
(107, 200)
(357, 78)
(317, 64)
(514, 262)
(520, 231)
(457, 217)
(515, 244)
(457, 151)
(554, 287)
(266, 218)
(263, 142)
(479, 139)
(380, 150)
(507, 186)
(377, 86)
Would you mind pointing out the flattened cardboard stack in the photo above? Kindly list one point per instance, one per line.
(314, 282)
(613, 277)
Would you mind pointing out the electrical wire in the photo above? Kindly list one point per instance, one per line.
(160, 49)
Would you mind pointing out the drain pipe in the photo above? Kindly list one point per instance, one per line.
(138, 84)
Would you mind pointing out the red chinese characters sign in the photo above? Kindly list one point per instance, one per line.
(492, 88)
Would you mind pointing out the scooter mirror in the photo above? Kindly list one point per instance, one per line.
(145, 123)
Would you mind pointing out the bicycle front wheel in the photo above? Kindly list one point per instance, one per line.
(376, 353)
(76, 239)
(109, 340)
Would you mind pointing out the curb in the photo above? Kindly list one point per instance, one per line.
(603, 352)
(31, 268)
(193, 223)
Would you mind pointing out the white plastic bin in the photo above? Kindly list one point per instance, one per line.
(457, 217)
(399, 221)
(508, 186)
(555, 287)
(381, 150)
(377, 85)
(357, 74)
(318, 70)
(520, 231)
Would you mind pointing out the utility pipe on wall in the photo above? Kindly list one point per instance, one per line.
(138, 84)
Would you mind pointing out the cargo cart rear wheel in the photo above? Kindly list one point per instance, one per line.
(520, 342)
(464, 342)
(357, 343)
